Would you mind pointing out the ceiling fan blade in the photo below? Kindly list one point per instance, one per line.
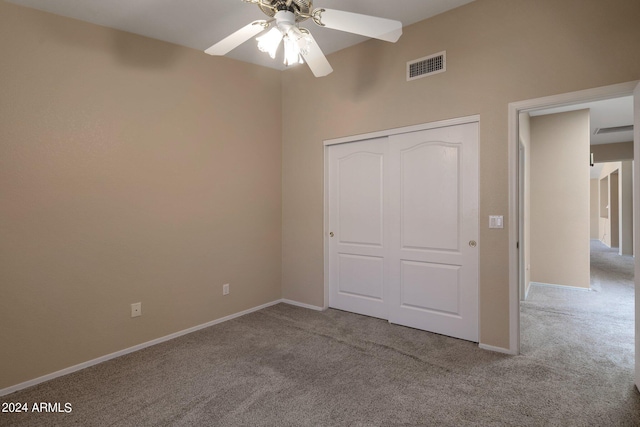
(234, 40)
(315, 59)
(365, 25)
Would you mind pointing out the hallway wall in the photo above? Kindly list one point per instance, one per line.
(615, 223)
(594, 208)
(560, 199)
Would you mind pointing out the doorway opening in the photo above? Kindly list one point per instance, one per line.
(518, 163)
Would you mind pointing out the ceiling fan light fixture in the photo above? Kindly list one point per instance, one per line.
(270, 41)
(304, 44)
(299, 44)
(291, 51)
(296, 43)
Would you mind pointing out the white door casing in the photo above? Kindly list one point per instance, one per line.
(636, 202)
(403, 225)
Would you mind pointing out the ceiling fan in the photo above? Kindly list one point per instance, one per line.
(283, 26)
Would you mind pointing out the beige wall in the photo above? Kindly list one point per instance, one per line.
(616, 224)
(497, 52)
(614, 209)
(625, 190)
(603, 153)
(604, 229)
(560, 199)
(617, 157)
(129, 172)
(604, 195)
(594, 208)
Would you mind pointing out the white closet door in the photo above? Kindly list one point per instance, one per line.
(434, 231)
(403, 214)
(358, 245)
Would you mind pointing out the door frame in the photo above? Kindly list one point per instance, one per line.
(515, 108)
(360, 137)
(522, 161)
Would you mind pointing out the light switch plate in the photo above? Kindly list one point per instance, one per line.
(496, 221)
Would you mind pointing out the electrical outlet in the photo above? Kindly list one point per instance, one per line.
(136, 309)
(225, 289)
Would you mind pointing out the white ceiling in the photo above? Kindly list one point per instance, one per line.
(199, 24)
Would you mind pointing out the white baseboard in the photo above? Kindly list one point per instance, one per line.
(301, 304)
(80, 366)
(552, 285)
(496, 349)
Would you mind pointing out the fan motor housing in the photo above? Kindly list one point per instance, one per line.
(301, 8)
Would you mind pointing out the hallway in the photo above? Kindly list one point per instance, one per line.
(589, 333)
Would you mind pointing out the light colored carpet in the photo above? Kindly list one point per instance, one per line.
(288, 366)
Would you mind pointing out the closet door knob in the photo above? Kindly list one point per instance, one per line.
(331, 234)
(472, 243)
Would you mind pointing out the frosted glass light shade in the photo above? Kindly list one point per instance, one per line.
(270, 41)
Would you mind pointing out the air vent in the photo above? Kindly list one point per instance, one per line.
(427, 66)
(602, 131)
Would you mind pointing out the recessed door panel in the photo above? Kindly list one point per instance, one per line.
(361, 276)
(430, 287)
(430, 194)
(360, 198)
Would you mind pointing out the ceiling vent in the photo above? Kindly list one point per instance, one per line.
(602, 131)
(427, 66)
